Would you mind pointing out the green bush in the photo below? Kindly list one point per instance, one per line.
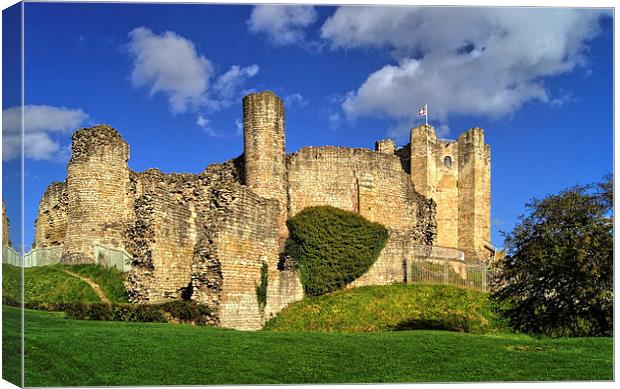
(332, 247)
(175, 311)
(187, 311)
(261, 290)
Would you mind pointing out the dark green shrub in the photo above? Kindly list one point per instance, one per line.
(89, 311)
(261, 290)
(172, 311)
(332, 247)
(187, 311)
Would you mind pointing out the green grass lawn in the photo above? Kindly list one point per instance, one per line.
(392, 307)
(61, 352)
(51, 284)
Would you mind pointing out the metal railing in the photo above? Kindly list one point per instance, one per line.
(43, 256)
(112, 257)
(447, 266)
(10, 256)
(104, 256)
(438, 252)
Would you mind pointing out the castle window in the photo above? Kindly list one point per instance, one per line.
(447, 161)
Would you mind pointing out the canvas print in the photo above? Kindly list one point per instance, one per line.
(211, 194)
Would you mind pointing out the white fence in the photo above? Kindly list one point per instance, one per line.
(43, 256)
(10, 256)
(112, 257)
(447, 266)
(104, 256)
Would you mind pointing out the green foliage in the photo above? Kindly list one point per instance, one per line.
(558, 276)
(63, 352)
(261, 290)
(332, 247)
(392, 307)
(175, 311)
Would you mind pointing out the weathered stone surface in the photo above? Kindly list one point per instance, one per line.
(264, 154)
(206, 236)
(457, 176)
(51, 223)
(6, 238)
(385, 146)
(97, 184)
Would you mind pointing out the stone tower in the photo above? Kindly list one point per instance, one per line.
(474, 187)
(97, 180)
(264, 154)
(456, 175)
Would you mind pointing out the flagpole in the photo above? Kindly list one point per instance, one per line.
(426, 111)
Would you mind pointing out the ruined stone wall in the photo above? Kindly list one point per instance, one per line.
(97, 184)
(372, 184)
(390, 267)
(385, 146)
(51, 222)
(168, 224)
(243, 234)
(161, 237)
(357, 180)
(6, 237)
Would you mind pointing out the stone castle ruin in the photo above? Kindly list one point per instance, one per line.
(206, 236)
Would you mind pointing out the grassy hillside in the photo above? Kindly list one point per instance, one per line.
(393, 307)
(61, 352)
(51, 284)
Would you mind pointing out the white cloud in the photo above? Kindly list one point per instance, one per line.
(239, 125)
(282, 24)
(295, 98)
(229, 84)
(40, 122)
(169, 63)
(202, 121)
(475, 61)
(335, 120)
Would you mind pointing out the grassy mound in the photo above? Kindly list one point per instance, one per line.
(392, 307)
(109, 279)
(332, 247)
(50, 284)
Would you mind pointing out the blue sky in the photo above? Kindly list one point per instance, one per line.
(170, 79)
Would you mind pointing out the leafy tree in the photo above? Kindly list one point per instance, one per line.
(332, 247)
(557, 278)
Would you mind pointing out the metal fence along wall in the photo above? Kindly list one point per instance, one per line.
(439, 265)
(43, 256)
(112, 257)
(10, 256)
(104, 256)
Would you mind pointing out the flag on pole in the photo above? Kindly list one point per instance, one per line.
(423, 111)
